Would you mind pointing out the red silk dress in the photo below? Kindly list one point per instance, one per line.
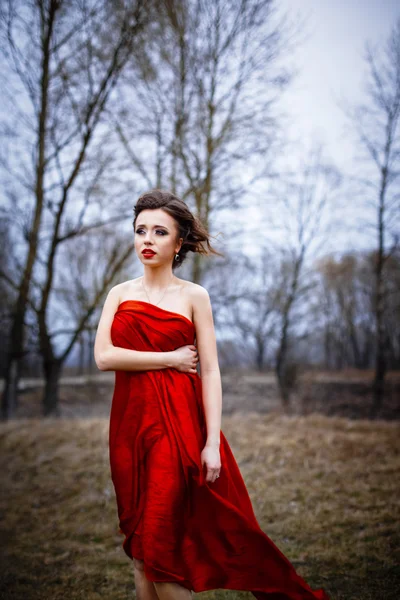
(199, 534)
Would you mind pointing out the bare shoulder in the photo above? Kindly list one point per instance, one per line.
(116, 290)
(199, 300)
(205, 330)
(195, 293)
(198, 293)
(125, 289)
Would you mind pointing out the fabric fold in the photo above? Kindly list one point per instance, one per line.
(199, 534)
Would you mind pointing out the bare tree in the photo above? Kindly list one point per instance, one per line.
(300, 212)
(7, 293)
(89, 270)
(392, 316)
(346, 301)
(45, 20)
(67, 57)
(243, 292)
(376, 123)
(208, 102)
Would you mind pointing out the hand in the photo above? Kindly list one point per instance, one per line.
(185, 358)
(211, 458)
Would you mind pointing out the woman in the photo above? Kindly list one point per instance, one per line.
(183, 506)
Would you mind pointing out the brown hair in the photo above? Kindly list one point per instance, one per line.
(195, 236)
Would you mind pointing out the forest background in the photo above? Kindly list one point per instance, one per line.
(101, 102)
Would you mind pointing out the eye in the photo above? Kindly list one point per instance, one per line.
(157, 231)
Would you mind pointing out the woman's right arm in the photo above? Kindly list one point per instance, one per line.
(113, 358)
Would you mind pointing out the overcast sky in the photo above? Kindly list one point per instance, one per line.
(331, 70)
(331, 63)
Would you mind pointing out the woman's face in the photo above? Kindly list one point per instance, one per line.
(157, 231)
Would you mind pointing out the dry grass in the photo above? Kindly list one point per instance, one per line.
(324, 489)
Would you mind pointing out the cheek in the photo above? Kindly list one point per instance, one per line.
(165, 243)
(138, 245)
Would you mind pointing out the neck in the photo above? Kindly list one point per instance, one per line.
(157, 279)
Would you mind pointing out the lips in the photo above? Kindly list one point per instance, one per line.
(148, 252)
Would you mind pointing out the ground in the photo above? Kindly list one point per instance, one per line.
(325, 489)
(345, 393)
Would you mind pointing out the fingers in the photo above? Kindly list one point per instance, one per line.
(195, 360)
(213, 474)
(191, 367)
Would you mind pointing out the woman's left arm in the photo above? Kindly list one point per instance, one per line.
(210, 377)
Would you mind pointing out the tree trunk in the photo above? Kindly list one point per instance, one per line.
(284, 391)
(9, 400)
(380, 354)
(280, 365)
(380, 359)
(90, 351)
(82, 343)
(52, 371)
(285, 397)
(260, 354)
(281, 360)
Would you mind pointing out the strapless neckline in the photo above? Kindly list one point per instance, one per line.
(171, 312)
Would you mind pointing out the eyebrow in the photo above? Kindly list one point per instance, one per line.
(143, 225)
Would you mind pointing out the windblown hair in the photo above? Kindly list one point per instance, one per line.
(195, 236)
